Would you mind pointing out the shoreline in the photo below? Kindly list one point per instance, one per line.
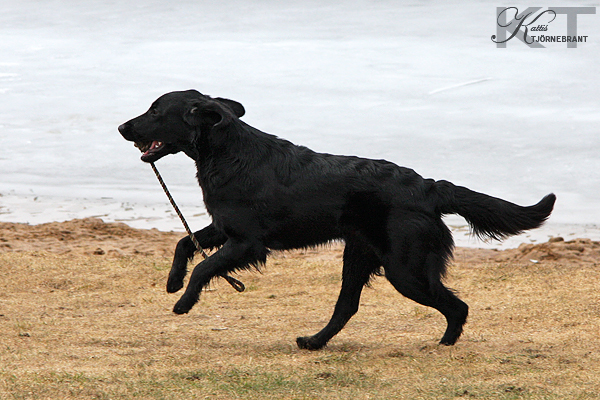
(35, 210)
(95, 237)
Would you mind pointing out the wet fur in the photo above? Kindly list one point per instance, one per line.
(265, 193)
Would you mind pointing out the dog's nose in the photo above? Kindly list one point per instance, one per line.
(122, 128)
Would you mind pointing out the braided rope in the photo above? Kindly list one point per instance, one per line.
(237, 285)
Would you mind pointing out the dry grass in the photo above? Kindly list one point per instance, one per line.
(99, 327)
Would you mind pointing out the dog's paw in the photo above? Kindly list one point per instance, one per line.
(309, 343)
(451, 336)
(449, 341)
(183, 306)
(174, 285)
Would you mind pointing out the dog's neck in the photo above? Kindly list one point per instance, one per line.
(233, 151)
(220, 154)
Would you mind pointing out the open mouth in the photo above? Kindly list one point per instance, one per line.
(150, 149)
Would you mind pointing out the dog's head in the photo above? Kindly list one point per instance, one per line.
(174, 121)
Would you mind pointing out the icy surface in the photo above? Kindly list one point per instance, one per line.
(416, 83)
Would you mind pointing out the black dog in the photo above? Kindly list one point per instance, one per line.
(265, 193)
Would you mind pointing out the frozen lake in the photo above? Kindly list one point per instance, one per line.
(420, 84)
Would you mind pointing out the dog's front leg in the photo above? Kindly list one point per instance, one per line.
(235, 254)
(208, 238)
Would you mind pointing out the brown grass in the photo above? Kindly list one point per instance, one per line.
(76, 326)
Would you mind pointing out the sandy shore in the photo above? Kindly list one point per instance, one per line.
(86, 236)
(92, 236)
(159, 214)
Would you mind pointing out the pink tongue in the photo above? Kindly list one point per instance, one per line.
(154, 145)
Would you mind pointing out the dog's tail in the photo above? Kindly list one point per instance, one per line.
(491, 217)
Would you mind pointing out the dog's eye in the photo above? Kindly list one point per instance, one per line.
(154, 112)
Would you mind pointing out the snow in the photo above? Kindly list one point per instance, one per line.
(417, 83)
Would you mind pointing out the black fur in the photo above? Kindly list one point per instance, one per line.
(265, 193)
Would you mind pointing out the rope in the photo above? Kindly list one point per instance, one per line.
(237, 285)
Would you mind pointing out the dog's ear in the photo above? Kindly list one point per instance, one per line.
(212, 112)
(204, 113)
(236, 107)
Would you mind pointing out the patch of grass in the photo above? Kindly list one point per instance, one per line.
(89, 327)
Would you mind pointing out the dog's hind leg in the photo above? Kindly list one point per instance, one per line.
(208, 238)
(234, 255)
(360, 262)
(415, 275)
